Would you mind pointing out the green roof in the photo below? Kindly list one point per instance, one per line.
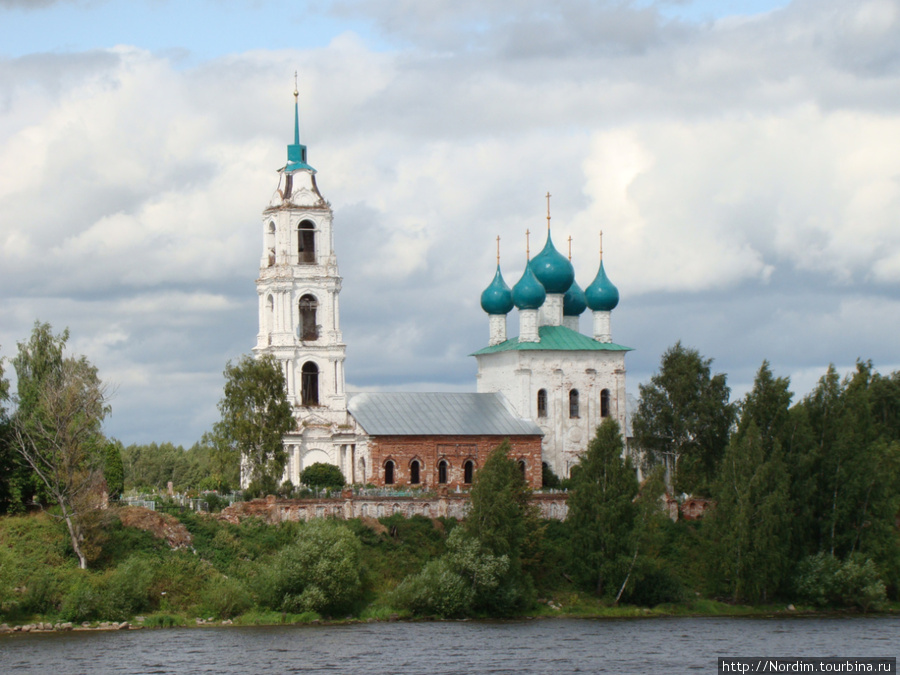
(555, 338)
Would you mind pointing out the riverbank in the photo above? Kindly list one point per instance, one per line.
(152, 570)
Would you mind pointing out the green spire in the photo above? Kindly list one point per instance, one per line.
(296, 152)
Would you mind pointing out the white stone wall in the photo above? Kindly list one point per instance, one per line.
(519, 375)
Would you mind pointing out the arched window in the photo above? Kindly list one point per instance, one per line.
(442, 471)
(270, 243)
(309, 331)
(414, 472)
(468, 471)
(306, 243)
(309, 384)
(389, 473)
(542, 402)
(522, 467)
(604, 403)
(573, 403)
(270, 314)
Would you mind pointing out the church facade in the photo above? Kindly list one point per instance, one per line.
(544, 391)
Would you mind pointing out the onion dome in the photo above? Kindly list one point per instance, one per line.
(601, 295)
(552, 269)
(574, 302)
(528, 292)
(497, 298)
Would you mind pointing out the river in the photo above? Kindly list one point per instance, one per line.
(552, 646)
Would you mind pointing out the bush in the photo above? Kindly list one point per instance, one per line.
(321, 572)
(225, 598)
(128, 590)
(462, 582)
(321, 475)
(825, 581)
(652, 583)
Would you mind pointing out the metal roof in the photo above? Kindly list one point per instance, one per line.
(437, 414)
(555, 338)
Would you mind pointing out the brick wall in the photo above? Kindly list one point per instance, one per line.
(430, 451)
(447, 504)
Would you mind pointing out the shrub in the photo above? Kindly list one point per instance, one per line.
(321, 475)
(127, 592)
(321, 572)
(464, 581)
(225, 598)
(825, 581)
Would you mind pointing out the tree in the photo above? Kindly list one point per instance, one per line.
(255, 417)
(500, 511)
(684, 419)
(57, 427)
(748, 531)
(602, 511)
(322, 475)
(114, 470)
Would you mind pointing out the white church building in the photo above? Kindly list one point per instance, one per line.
(546, 390)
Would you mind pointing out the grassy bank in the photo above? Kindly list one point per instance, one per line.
(227, 572)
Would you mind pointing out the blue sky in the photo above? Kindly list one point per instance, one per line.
(213, 28)
(740, 157)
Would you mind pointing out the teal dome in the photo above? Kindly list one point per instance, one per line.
(601, 295)
(574, 302)
(497, 298)
(553, 269)
(528, 292)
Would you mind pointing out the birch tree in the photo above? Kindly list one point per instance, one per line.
(57, 427)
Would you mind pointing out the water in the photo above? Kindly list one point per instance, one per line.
(663, 645)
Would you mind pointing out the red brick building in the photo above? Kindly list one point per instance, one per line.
(441, 439)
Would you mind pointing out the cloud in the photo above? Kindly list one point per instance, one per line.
(742, 172)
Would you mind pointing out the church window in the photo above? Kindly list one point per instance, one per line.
(309, 331)
(309, 384)
(389, 473)
(542, 402)
(468, 471)
(604, 403)
(270, 314)
(306, 243)
(414, 478)
(573, 403)
(270, 243)
(522, 468)
(442, 471)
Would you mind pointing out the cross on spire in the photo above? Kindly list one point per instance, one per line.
(527, 245)
(548, 211)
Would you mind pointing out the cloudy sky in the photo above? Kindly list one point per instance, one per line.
(741, 157)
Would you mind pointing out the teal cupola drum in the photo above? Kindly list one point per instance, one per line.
(497, 298)
(601, 295)
(574, 301)
(528, 293)
(552, 269)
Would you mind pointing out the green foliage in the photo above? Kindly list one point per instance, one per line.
(684, 418)
(748, 532)
(321, 572)
(114, 470)
(255, 417)
(602, 512)
(201, 467)
(548, 478)
(321, 475)
(225, 597)
(466, 580)
(826, 581)
(62, 404)
(500, 514)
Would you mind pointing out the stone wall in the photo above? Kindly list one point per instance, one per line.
(446, 505)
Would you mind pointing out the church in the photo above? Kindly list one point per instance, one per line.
(544, 391)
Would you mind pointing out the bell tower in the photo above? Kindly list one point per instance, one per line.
(298, 288)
